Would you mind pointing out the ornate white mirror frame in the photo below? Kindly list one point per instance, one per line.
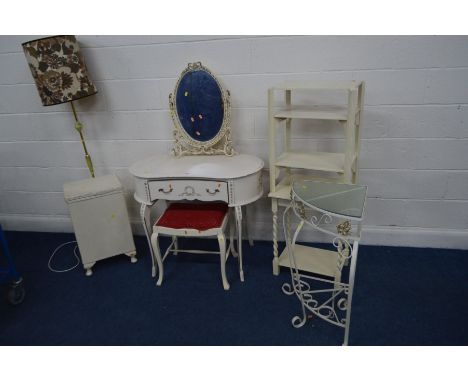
(184, 144)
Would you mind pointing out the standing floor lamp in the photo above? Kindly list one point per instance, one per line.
(59, 70)
(97, 205)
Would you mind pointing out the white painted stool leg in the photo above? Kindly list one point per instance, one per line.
(176, 245)
(157, 254)
(222, 257)
(239, 240)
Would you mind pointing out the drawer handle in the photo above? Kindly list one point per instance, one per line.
(212, 192)
(166, 192)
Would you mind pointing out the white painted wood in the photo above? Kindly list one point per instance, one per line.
(322, 161)
(311, 259)
(218, 232)
(199, 166)
(100, 219)
(223, 258)
(344, 162)
(236, 180)
(204, 190)
(314, 112)
(246, 189)
(282, 190)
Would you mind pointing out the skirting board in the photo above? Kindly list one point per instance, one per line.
(372, 235)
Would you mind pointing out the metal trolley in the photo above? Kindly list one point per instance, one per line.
(9, 275)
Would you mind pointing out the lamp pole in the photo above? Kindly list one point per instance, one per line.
(79, 128)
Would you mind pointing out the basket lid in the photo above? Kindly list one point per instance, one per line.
(91, 188)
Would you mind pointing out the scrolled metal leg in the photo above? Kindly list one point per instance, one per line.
(296, 285)
(297, 321)
(352, 273)
(332, 303)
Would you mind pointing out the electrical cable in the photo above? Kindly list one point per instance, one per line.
(56, 250)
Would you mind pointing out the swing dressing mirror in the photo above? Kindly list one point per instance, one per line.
(200, 110)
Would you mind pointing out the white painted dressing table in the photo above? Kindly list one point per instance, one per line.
(236, 180)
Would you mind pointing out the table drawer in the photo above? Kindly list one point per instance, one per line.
(206, 190)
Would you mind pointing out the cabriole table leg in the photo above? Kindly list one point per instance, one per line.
(145, 211)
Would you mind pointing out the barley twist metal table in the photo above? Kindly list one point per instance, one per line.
(337, 211)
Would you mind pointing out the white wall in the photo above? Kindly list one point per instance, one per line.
(414, 147)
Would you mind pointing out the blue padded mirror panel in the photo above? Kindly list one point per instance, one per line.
(199, 105)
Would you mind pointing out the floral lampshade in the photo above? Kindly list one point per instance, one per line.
(59, 70)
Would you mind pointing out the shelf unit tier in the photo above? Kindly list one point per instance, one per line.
(319, 161)
(283, 187)
(318, 85)
(314, 260)
(334, 113)
(282, 190)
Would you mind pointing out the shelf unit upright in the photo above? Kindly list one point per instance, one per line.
(332, 166)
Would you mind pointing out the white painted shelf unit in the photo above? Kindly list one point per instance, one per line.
(340, 167)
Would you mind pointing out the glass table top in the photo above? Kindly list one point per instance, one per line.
(337, 198)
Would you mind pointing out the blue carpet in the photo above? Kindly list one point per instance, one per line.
(403, 296)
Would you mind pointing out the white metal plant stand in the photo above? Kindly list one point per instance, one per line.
(336, 210)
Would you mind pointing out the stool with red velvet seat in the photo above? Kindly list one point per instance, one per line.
(193, 220)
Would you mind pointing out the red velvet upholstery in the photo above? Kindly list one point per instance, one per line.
(199, 216)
